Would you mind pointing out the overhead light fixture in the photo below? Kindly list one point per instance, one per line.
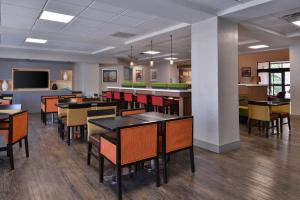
(151, 61)
(171, 58)
(296, 22)
(131, 61)
(36, 40)
(258, 46)
(56, 17)
(151, 52)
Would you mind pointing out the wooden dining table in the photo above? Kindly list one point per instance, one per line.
(66, 105)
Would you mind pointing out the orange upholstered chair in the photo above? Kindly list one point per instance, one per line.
(16, 131)
(48, 106)
(5, 102)
(178, 136)
(132, 112)
(129, 146)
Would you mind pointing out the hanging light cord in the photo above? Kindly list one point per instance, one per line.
(171, 47)
(151, 50)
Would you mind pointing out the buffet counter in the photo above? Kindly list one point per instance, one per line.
(184, 96)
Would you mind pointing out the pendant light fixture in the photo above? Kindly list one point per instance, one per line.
(171, 59)
(131, 60)
(151, 61)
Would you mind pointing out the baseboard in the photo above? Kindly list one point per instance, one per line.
(215, 148)
(295, 116)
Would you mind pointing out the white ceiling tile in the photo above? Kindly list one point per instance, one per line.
(48, 26)
(98, 15)
(106, 7)
(138, 15)
(17, 22)
(37, 4)
(18, 11)
(127, 21)
(63, 7)
(12, 39)
(78, 2)
(82, 24)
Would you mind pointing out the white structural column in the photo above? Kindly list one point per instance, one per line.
(215, 84)
(86, 77)
(295, 80)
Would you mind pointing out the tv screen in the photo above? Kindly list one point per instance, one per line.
(30, 79)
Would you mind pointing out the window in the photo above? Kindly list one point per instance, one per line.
(276, 75)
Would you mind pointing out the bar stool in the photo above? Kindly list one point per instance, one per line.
(143, 101)
(118, 97)
(163, 104)
(130, 100)
(108, 96)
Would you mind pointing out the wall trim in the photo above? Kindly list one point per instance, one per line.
(216, 148)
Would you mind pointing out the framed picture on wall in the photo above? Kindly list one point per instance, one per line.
(109, 75)
(139, 75)
(153, 74)
(246, 71)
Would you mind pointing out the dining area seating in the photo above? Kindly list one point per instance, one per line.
(13, 130)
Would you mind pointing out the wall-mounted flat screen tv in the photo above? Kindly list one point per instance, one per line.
(30, 79)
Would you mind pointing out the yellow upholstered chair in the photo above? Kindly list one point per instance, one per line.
(94, 132)
(15, 132)
(284, 111)
(262, 112)
(76, 117)
(129, 146)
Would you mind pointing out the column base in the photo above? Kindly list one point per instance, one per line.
(217, 149)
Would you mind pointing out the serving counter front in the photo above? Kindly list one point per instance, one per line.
(184, 96)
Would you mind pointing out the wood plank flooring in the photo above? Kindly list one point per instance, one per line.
(267, 169)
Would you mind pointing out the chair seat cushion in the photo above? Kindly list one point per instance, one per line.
(274, 116)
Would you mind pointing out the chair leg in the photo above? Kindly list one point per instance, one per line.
(20, 143)
(119, 182)
(165, 168)
(192, 160)
(11, 157)
(289, 122)
(69, 135)
(101, 166)
(157, 172)
(278, 126)
(281, 125)
(89, 153)
(26, 146)
(267, 128)
(249, 125)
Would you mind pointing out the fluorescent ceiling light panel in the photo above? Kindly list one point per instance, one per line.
(171, 58)
(296, 22)
(152, 52)
(258, 46)
(56, 17)
(36, 40)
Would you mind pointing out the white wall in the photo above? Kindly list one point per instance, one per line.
(86, 78)
(295, 80)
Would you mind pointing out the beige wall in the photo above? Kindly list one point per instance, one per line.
(251, 60)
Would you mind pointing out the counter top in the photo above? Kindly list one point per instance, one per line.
(252, 85)
(150, 89)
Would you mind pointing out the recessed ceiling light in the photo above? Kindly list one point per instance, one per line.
(296, 22)
(56, 17)
(36, 40)
(169, 58)
(152, 52)
(258, 46)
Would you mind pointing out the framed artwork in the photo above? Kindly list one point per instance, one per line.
(246, 71)
(139, 75)
(153, 74)
(109, 75)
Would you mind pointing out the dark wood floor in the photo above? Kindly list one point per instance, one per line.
(262, 169)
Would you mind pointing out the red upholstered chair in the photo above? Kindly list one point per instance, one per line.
(15, 132)
(129, 146)
(163, 104)
(108, 96)
(178, 136)
(143, 101)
